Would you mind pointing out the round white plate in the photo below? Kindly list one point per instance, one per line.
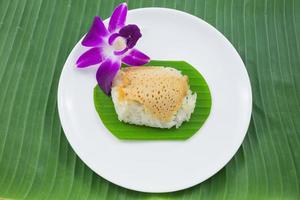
(162, 166)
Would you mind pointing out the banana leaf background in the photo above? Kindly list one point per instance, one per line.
(36, 161)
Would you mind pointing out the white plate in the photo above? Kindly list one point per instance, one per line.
(162, 166)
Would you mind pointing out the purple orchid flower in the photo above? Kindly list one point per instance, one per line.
(111, 47)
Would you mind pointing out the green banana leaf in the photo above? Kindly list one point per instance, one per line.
(36, 161)
(106, 111)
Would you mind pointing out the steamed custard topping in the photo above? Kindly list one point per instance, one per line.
(160, 90)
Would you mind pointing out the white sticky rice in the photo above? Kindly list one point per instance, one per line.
(134, 113)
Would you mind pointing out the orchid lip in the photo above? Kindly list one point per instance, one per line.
(119, 43)
(131, 33)
(119, 53)
(112, 38)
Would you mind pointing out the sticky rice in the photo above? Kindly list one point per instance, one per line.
(153, 96)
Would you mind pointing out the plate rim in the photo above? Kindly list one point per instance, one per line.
(244, 131)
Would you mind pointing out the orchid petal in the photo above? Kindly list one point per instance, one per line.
(96, 33)
(90, 57)
(106, 73)
(135, 58)
(118, 18)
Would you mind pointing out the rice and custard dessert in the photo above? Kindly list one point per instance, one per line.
(152, 96)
